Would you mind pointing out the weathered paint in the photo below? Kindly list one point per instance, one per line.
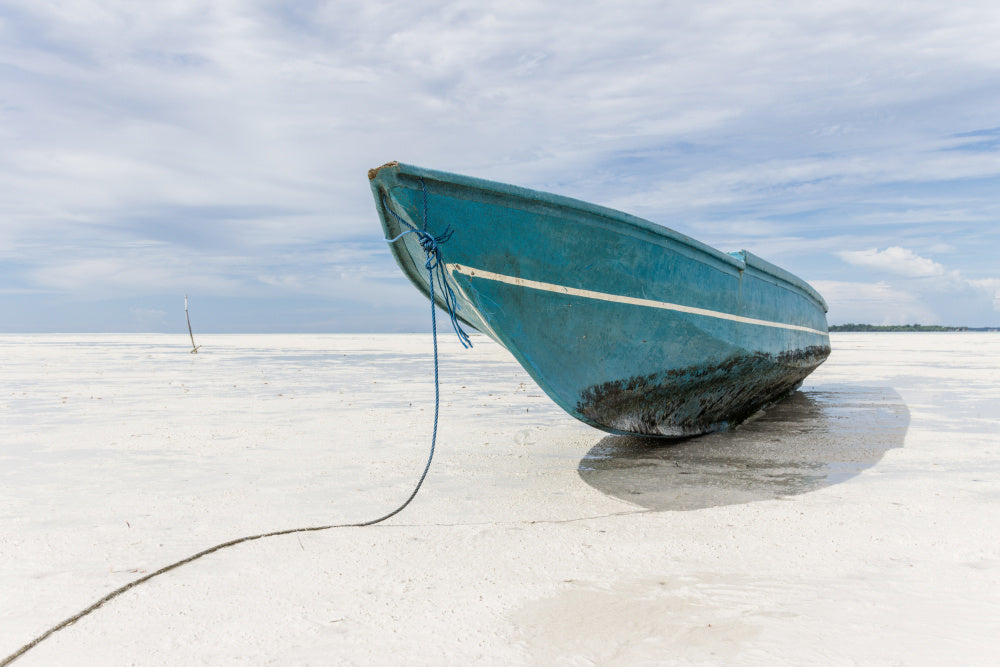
(628, 326)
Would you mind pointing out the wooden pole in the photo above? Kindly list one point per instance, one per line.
(194, 348)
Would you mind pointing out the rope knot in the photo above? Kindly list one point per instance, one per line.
(431, 246)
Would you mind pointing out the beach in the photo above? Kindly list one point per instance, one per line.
(857, 522)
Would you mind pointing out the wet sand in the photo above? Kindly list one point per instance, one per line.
(855, 523)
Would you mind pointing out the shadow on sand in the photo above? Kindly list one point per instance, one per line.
(810, 440)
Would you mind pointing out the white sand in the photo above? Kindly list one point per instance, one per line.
(859, 526)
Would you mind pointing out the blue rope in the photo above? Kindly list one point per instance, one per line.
(435, 270)
(437, 405)
(435, 273)
(434, 265)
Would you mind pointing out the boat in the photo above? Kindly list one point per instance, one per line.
(630, 327)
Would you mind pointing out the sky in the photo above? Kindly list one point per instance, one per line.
(220, 149)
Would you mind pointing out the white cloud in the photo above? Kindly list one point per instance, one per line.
(134, 274)
(990, 286)
(234, 137)
(895, 260)
(920, 290)
(873, 303)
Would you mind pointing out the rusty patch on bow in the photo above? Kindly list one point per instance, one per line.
(700, 399)
(372, 173)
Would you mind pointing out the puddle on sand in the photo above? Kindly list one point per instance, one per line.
(812, 439)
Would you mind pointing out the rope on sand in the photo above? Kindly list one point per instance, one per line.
(430, 245)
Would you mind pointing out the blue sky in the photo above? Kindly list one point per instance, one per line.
(220, 149)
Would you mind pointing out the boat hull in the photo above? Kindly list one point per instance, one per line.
(628, 326)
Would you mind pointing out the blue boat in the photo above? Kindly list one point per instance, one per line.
(630, 327)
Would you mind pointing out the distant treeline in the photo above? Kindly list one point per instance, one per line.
(905, 327)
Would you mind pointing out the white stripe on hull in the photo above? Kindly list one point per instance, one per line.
(617, 298)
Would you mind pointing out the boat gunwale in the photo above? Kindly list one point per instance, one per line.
(619, 218)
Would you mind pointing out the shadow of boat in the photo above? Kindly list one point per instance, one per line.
(811, 440)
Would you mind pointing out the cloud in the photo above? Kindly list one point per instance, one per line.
(895, 260)
(919, 290)
(873, 303)
(226, 146)
(989, 286)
